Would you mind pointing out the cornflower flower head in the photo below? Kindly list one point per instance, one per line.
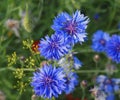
(71, 27)
(49, 81)
(54, 47)
(110, 97)
(99, 41)
(72, 81)
(109, 86)
(113, 48)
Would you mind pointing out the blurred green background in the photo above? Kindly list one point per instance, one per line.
(103, 14)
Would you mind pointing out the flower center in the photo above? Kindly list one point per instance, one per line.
(71, 27)
(53, 44)
(48, 80)
(108, 81)
(102, 41)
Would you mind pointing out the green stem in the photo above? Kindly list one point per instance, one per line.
(40, 8)
(36, 60)
(93, 71)
(13, 69)
(96, 64)
(112, 15)
(83, 51)
(83, 93)
(114, 31)
(80, 71)
(34, 56)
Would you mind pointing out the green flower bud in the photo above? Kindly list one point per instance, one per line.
(27, 22)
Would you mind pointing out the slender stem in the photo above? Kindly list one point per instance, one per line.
(114, 31)
(40, 8)
(36, 60)
(96, 64)
(13, 69)
(93, 71)
(83, 51)
(80, 71)
(112, 15)
(33, 55)
(83, 93)
(18, 97)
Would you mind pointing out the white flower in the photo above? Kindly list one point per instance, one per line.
(13, 25)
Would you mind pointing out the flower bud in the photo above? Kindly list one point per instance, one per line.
(96, 58)
(84, 83)
(27, 21)
(34, 97)
(22, 58)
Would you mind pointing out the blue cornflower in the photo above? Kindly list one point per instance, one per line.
(77, 63)
(113, 48)
(110, 97)
(53, 47)
(71, 27)
(116, 82)
(72, 81)
(48, 81)
(109, 86)
(70, 61)
(99, 41)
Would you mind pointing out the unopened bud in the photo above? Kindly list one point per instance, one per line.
(84, 83)
(34, 97)
(96, 58)
(22, 58)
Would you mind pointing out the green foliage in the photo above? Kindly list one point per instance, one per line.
(38, 20)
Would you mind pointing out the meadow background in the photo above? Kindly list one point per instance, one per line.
(104, 15)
